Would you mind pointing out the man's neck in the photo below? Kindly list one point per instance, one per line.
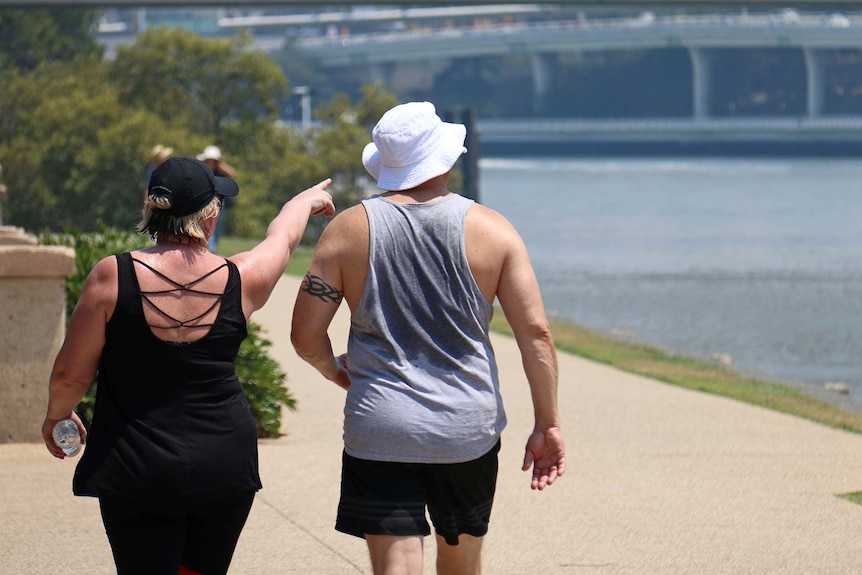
(433, 190)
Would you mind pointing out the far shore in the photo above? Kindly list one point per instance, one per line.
(803, 400)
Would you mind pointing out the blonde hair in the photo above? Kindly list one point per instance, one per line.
(191, 226)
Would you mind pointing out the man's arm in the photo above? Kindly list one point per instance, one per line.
(226, 169)
(519, 295)
(315, 307)
(318, 299)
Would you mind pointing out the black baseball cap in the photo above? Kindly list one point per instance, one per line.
(190, 184)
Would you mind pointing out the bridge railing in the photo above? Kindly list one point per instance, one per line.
(720, 21)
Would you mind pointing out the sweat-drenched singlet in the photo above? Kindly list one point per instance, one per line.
(424, 385)
(170, 418)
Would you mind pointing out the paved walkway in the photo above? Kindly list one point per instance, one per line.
(660, 481)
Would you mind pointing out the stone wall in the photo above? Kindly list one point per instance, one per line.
(32, 328)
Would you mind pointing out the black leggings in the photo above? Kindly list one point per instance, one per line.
(157, 537)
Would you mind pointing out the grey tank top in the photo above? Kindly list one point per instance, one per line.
(424, 385)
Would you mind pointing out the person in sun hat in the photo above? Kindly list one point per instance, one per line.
(211, 156)
(172, 449)
(158, 154)
(420, 268)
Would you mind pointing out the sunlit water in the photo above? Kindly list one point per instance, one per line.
(758, 259)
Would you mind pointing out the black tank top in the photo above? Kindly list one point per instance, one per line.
(170, 418)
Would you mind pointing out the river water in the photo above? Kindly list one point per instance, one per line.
(756, 259)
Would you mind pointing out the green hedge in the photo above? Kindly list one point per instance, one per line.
(261, 377)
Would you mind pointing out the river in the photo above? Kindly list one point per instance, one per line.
(755, 259)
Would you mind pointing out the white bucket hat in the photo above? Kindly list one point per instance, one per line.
(210, 153)
(412, 145)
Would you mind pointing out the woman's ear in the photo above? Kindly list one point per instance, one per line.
(210, 224)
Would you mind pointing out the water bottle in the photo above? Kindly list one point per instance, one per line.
(67, 437)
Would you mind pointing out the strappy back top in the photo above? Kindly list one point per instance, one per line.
(170, 419)
(150, 297)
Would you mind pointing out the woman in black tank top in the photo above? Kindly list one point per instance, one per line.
(172, 450)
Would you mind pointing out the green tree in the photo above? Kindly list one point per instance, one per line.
(344, 132)
(75, 135)
(202, 83)
(31, 37)
(220, 92)
(280, 160)
(276, 164)
(73, 156)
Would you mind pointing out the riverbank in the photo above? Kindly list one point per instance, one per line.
(805, 401)
(801, 400)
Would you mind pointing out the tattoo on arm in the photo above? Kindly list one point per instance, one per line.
(315, 286)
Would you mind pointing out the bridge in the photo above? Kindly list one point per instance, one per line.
(426, 40)
(826, 136)
(699, 35)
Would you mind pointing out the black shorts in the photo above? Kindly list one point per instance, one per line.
(386, 498)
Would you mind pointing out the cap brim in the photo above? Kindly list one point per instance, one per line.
(226, 186)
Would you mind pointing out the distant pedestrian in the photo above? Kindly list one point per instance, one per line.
(420, 268)
(158, 154)
(211, 156)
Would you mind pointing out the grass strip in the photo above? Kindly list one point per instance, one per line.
(692, 374)
(855, 497)
(649, 362)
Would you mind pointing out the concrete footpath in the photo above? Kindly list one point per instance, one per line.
(660, 480)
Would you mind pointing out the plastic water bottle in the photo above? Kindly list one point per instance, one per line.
(68, 437)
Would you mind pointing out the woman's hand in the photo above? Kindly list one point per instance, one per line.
(48, 437)
(319, 199)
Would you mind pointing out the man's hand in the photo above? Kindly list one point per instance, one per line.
(546, 453)
(342, 379)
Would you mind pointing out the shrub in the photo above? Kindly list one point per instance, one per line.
(262, 381)
(261, 377)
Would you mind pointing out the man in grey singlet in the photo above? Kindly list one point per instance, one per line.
(420, 268)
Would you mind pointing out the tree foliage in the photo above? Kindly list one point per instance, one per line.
(75, 134)
(62, 161)
(343, 134)
(202, 83)
(32, 37)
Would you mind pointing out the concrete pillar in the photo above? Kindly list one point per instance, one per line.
(701, 68)
(468, 163)
(32, 327)
(381, 72)
(10, 235)
(140, 20)
(814, 67)
(542, 66)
